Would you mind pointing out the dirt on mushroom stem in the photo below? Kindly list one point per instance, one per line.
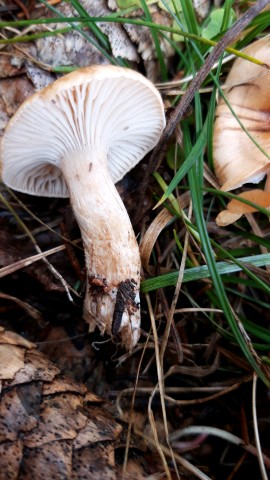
(111, 250)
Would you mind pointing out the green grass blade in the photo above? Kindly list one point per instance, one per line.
(187, 165)
(119, 19)
(103, 40)
(260, 332)
(202, 272)
(189, 14)
(163, 68)
(76, 27)
(237, 329)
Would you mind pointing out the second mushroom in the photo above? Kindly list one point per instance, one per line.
(238, 158)
(76, 138)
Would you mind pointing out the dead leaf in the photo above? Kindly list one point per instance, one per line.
(236, 208)
(36, 368)
(13, 91)
(53, 461)
(11, 360)
(15, 421)
(94, 464)
(151, 235)
(225, 218)
(259, 197)
(12, 338)
(11, 454)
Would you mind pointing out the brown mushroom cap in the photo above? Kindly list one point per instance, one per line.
(237, 160)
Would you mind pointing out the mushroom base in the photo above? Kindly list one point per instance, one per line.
(115, 309)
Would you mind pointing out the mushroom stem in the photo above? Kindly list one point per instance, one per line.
(111, 250)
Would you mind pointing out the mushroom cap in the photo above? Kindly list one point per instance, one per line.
(106, 110)
(237, 160)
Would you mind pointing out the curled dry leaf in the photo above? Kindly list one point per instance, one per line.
(151, 235)
(236, 208)
(238, 159)
(156, 227)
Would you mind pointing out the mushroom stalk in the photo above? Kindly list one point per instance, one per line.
(111, 250)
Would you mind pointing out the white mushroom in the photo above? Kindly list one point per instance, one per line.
(76, 138)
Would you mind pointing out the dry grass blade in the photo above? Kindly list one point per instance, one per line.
(160, 388)
(170, 316)
(229, 437)
(43, 257)
(256, 430)
(182, 461)
(33, 312)
(14, 267)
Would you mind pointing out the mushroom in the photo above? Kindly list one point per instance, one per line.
(237, 159)
(76, 138)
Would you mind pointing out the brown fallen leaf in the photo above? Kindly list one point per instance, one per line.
(13, 91)
(7, 67)
(236, 208)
